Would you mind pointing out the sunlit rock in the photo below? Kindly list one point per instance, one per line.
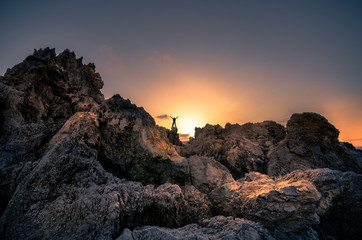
(290, 203)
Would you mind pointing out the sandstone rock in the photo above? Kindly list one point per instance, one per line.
(312, 142)
(214, 228)
(241, 149)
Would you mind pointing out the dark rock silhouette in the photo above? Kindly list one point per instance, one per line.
(37, 97)
(312, 142)
(76, 166)
(174, 137)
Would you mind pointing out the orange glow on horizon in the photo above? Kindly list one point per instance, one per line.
(216, 94)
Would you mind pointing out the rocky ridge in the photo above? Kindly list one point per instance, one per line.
(76, 166)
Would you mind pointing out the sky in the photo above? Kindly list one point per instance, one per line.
(207, 61)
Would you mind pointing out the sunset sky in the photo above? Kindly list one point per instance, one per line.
(207, 61)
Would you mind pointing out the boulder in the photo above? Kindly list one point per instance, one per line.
(312, 142)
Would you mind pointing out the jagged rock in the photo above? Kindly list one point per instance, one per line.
(294, 202)
(287, 205)
(214, 228)
(68, 194)
(37, 96)
(241, 149)
(76, 166)
(133, 147)
(173, 136)
(312, 142)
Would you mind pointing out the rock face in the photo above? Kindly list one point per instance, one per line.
(290, 203)
(241, 149)
(70, 186)
(37, 97)
(312, 142)
(76, 166)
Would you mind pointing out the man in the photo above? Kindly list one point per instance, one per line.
(174, 121)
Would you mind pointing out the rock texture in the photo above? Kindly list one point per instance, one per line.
(312, 142)
(70, 186)
(214, 228)
(37, 97)
(76, 166)
(241, 149)
(289, 203)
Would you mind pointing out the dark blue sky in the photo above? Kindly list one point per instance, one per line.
(245, 60)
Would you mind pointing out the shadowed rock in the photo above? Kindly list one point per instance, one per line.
(312, 142)
(76, 166)
(37, 97)
(213, 228)
(69, 186)
(241, 149)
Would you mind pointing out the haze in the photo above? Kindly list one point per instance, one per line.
(207, 61)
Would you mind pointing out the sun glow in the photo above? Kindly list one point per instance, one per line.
(186, 125)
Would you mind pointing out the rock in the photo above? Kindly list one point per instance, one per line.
(68, 194)
(241, 149)
(133, 147)
(173, 136)
(312, 142)
(213, 228)
(76, 166)
(176, 206)
(287, 205)
(207, 174)
(37, 97)
(291, 203)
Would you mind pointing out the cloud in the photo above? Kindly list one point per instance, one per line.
(110, 60)
(161, 58)
(184, 135)
(163, 116)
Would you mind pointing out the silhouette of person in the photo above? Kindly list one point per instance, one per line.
(174, 121)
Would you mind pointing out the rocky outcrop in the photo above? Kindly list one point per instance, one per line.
(37, 97)
(173, 136)
(312, 142)
(241, 149)
(131, 146)
(70, 186)
(290, 203)
(76, 166)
